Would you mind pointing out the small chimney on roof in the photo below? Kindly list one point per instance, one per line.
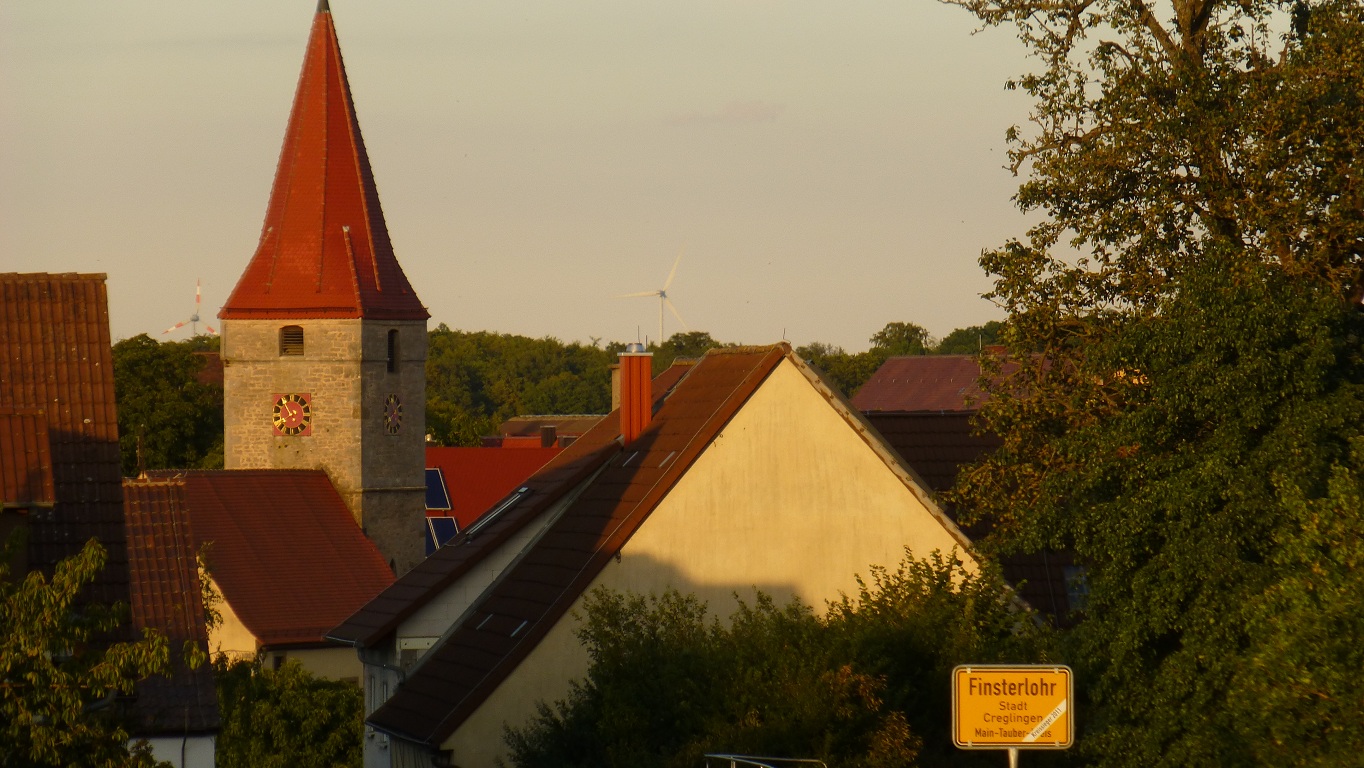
(636, 391)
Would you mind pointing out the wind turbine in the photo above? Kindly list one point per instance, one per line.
(193, 321)
(662, 294)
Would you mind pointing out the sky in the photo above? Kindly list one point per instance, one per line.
(815, 170)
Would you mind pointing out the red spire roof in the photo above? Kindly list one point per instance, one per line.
(324, 250)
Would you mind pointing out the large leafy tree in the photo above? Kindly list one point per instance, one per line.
(170, 412)
(62, 673)
(273, 718)
(1183, 410)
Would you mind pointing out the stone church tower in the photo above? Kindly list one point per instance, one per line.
(323, 338)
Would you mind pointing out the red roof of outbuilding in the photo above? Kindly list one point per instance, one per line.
(285, 551)
(923, 383)
(324, 250)
(477, 478)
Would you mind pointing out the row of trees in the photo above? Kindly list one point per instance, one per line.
(170, 408)
(863, 684)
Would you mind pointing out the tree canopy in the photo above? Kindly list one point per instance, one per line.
(862, 685)
(1185, 412)
(166, 404)
(286, 717)
(62, 670)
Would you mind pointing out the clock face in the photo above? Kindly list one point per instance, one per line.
(393, 414)
(294, 414)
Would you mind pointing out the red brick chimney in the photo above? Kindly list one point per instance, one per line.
(636, 391)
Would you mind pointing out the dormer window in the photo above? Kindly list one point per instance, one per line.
(392, 351)
(291, 341)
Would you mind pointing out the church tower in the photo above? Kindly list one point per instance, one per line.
(323, 338)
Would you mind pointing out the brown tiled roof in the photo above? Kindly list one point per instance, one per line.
(166, 597)
(923, 383)
(25, 461)
(936, 445)
(56, 356)
(560, 475)
(521, 608)
(324, 249)
(284, 549)
(405, 596)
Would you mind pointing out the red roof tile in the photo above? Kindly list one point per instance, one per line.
(923, 383)
(285, 551)
(526, 602)
(25, 461)
(477, 478)
(324, 250)
(166, 598)
(56, 356)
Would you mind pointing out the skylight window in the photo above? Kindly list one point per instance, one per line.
(491, 515)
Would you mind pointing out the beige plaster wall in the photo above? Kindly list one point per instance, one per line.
(231, 635)
(344, 368)
(789, 499)
(338, 663)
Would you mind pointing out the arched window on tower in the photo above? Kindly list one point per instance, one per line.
(392, 351)
(291, 341)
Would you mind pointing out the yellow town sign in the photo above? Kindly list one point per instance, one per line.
(1012, 707)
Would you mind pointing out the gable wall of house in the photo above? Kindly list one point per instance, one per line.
(344, 369)
(788, 499)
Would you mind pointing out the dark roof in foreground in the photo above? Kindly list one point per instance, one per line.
(56, 356)
(25, 460)
(515, 614)
(166, 597)
(561, 474)
(923, 383)
(283, 548)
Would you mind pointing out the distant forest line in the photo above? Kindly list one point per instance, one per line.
(170, 402)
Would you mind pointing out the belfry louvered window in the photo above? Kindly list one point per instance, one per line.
(392, 351)
(291, 341)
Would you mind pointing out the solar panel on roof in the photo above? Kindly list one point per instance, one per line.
(437, 497)
(439, 531)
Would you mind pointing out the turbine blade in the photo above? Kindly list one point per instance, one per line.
(673, 273)
(637, 295)
(673, 310)
(209, 328)
(175, 327)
